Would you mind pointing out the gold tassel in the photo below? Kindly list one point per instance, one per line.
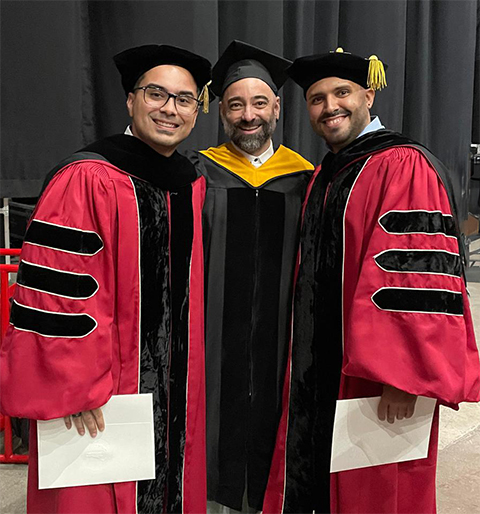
(376, 74)
(339, 50)
(205, 97)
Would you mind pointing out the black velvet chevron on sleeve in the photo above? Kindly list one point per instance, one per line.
(51, 324)
(420, 261)
(63, 238)
(413, 222)
(57, 282)
(419, 300)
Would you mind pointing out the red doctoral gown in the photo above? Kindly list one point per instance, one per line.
(380, 299)
(109, 300)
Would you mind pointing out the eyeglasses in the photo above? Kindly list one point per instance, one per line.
(156, 96)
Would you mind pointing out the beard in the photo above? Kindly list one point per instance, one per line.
(342, 136)
(250, 143)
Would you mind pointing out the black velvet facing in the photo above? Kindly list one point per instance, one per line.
(267, 345)
(419, 300)
(180, 255)
(51, 324)
(236, 349)
(420, 261)
(164, 336)
(317, 347)
(155, 333)
(60, 283)
(250, 400)
(63, 238)
(413, 222)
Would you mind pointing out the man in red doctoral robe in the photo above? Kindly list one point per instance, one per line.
(380, 306)
(109, 297)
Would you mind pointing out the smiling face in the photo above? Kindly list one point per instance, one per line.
(339, 110)
(162, 128)
(249, 110)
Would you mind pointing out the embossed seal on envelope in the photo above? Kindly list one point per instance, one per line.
(95, 453)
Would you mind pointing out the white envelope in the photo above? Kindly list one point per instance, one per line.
(361, 440)
(123, 452)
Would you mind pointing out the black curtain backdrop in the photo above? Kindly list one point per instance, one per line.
(60, 89)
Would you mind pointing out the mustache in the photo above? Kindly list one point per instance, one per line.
(336, 112)
(249, 124)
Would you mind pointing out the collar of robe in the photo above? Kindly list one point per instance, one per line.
(369, 143)
(136, 158)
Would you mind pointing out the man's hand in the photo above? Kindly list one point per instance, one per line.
(395, 403)
(92, 419)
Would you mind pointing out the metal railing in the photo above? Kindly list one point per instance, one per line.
(6, 291)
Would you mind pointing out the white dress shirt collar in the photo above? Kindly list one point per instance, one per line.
(255, 160)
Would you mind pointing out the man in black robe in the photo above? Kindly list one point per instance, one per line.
(251, 222)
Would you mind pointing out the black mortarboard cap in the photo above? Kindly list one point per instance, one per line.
(134, 62)
(241, 60)
(368, 72)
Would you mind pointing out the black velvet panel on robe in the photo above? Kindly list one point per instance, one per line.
(62, 283)
(155, 312)
(181, 238)
(418, 222)
(420, 261)
(418, 300)
(317, 347)
(51, 324)
(169, 381)
(63, 238)
(164, 336)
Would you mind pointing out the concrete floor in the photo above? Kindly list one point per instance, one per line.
(458, 477)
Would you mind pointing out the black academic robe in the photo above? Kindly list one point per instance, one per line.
(251, 222)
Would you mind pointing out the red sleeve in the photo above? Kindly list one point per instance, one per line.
(56, 358)
(407, 318)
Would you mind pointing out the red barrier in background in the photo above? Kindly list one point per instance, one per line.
(6, 291)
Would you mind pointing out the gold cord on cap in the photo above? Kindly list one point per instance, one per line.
(205, 97)
(376, 74)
